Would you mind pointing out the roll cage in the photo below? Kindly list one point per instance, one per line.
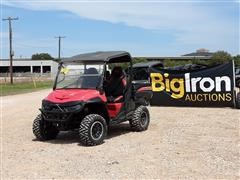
(105, 57)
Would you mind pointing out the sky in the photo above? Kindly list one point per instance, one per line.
(143, 28)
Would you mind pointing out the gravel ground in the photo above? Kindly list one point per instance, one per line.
(180, 143)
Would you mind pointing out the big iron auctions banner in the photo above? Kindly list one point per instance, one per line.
(212, 86)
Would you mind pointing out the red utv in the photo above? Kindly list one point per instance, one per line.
(87, 97)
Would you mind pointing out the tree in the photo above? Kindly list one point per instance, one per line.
(42, 56)
(220, 57)
(237, 60)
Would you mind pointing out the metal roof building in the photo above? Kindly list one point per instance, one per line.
(201, 54)
(29, 66)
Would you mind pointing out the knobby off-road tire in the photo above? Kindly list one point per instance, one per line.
(43, 130)
(92, 130)
(140, 119)
(238, 101)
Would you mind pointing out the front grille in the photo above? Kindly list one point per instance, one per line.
(59, 112)
(54, 108)
(57, 116)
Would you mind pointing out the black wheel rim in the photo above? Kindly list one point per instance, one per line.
(144, 118)
(96, 130)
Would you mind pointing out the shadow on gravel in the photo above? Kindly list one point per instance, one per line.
(118, 130)
(70, 137)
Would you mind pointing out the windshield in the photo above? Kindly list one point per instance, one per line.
(80, 76)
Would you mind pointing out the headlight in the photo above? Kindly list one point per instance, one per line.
(73, 108)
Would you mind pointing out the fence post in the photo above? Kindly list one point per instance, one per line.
(34, 82)
(5, 81)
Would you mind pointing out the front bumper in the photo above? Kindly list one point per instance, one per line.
(60, 112)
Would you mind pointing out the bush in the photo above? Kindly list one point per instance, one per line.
(237, 60)
(125, 65)
(172, 63)
(220, 57)
(139, 60)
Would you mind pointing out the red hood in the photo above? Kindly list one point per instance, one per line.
(68, 95)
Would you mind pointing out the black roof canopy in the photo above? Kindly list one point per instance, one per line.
(100, 56)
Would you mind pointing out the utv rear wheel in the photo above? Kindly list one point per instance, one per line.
(43, 130)
(93, 130)
(140, 120)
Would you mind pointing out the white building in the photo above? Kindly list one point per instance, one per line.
(29, 66)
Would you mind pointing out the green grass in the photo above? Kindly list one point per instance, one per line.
(23, 87)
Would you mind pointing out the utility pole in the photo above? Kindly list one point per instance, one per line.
(9, 19)
(59, 46)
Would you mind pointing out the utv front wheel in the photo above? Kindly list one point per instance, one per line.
(43, 130)
(93, 130)
(140, 119)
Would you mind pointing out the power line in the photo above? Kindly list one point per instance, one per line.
(11, 54)
(59, 46)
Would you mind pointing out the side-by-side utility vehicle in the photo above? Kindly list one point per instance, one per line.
(87, 97)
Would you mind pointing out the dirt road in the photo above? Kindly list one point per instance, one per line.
(180, 143)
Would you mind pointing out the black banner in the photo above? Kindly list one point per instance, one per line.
(212, 86)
